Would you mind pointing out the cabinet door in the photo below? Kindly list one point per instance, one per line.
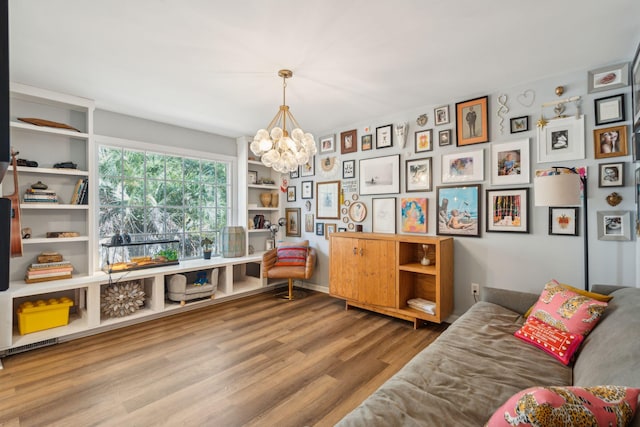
(377, 279)
(343, 273)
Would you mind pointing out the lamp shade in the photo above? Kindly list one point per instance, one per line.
(557, 190)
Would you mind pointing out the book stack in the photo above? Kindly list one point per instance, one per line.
(80, 192)
(45, 271)
(33, 195)
(422, 305)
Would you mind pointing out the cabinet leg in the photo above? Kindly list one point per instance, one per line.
(182, 303)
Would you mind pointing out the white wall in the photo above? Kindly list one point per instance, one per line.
(508, 260)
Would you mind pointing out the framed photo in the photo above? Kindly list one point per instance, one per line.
(327, 144)
(424, 140)
(519, 124)
(308, 223)
(611, 174)
(510, 162)
(291, 193)
(307, 190)
(357, 211)
(561, 139)
(384, 136)
(507, 210)
(367, 142)
(253, 177)
(293, 222)
(472, 121)
(328, 229)
(610, 142)
(614, 225)
(563, 221)
(444, 137)
(384, 215)
(319, 228)
(349, 142)
(463, 167)
(609, 110)
(380, 175)
(441, 115)
(328, 206)
(414, 215)
(348, 169)
(635, 89)
(458, 210)
(295, 173)
(418, 175)
(309, 168)
(607, 78)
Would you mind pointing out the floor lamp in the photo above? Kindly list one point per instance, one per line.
(560, 186)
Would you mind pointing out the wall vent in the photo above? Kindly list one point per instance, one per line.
(32, 346)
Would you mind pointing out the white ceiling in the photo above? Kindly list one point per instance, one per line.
(212, 65)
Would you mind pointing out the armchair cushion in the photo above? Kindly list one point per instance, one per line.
(292, 256)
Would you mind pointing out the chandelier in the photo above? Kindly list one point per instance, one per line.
(276, 148)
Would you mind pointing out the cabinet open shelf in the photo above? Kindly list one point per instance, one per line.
(47, 130)
(51, 171)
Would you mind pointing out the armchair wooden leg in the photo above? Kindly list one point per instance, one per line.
(290, 289)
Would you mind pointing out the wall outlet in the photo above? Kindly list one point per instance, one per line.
(475, 289)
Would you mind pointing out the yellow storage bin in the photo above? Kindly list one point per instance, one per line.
(39, 315)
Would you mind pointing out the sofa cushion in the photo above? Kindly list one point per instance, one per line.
(559, 406)
(559, 344)
(567, 310)
(292, 256)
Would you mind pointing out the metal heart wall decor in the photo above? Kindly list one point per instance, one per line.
(526, 98)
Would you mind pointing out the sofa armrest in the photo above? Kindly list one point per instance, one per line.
(606, 289)
(310, 264)
(517, 301)
(269, 259)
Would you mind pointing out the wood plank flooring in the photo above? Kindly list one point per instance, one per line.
(258, 361)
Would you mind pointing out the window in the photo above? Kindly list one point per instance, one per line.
(151, 195)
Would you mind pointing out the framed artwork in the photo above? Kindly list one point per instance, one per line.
(563, 221)
(609, 110)
(293, 222)
(614, 225)
(328, 144)
(291, 193)
(441, 115)
(611, 174)
(610, 142)
(253, 177)
(341, 229)
(472, 121)
(349, 142)
(384, 215)
(328, 229)
(510, 162)
(458, 210)
(607, 78)
(444, 137)
(380, 175)
(328, 206)
(561, 139)
(357, 211)
(309, 168)
(295, 173)
(635, 146)
(307, 190)
(418, 175)
(414, 215)
(348, 169)
(635, 89)
(308, 223)
(463, 167)
(367, 142)
(519, 124)
(319, 228)
(384, 136)
(507, 210)
(424, 140)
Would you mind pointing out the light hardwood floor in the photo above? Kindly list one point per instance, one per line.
(258, 361)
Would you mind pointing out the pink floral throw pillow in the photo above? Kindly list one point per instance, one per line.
(607, 405)
(567, 310)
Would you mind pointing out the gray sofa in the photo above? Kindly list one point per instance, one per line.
(477, 364)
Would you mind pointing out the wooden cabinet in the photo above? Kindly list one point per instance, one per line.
(381, 272)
